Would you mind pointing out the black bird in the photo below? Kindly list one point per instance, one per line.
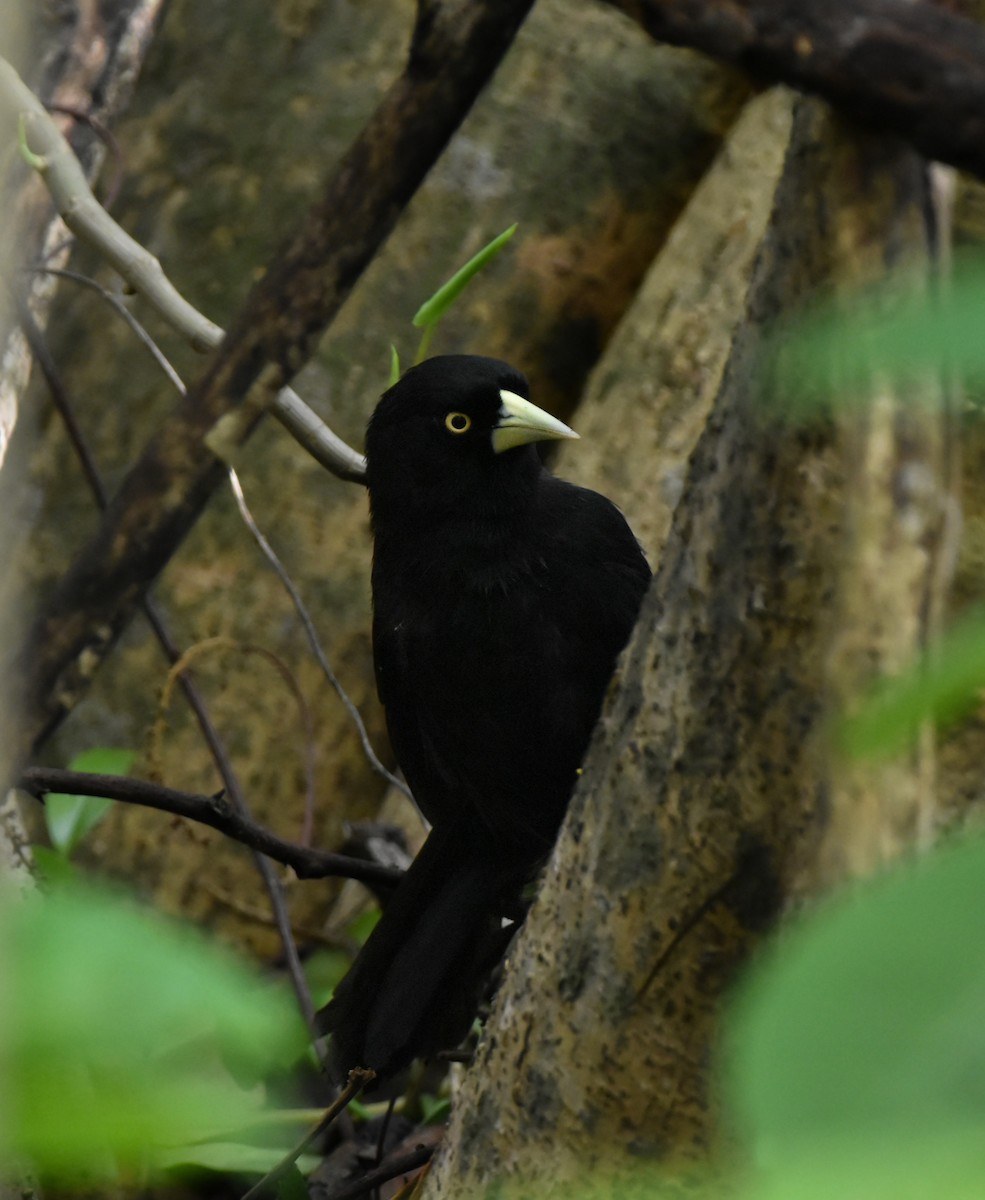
(501, 599)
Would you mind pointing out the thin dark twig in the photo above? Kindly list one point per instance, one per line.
(384, 1129)
(292, 959)
(240, 814)
(278, 902)
(358, 1079)
(455, 1056)
(59, 395)
(115, 301)
(209, 646)
(399, 1166)
(214, 811)
(309, 628)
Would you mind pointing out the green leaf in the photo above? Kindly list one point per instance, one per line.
(902, 333)
(865, 1026)
(115, 1025)
(291, 1185)
(358, 1110)
(54, 868)
(941, 688)
(431, 311)
(942, 1165)
(394, 365)
(323, 971)
(359, 928)
(434, 1108)
(69, 818)
(233, 1158)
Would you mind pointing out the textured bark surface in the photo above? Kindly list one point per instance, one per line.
(213, 176)
(709, 796)
(648, 400)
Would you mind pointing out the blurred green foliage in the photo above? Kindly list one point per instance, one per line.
(855, 1052)
(69, 818)
(119, 1035)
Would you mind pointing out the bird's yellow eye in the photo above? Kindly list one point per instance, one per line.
(458, 422)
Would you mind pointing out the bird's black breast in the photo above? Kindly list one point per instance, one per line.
(494, 643)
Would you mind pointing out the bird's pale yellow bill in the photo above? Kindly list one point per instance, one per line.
(521, 422)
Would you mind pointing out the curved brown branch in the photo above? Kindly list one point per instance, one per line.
(456, 46)
(913, 69)
(214, 811)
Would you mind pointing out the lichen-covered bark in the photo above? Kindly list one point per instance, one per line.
(710, 796)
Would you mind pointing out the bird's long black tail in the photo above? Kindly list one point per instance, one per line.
(415, 984)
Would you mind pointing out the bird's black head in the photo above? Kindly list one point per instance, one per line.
(454, 426)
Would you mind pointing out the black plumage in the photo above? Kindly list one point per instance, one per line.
(501, 599)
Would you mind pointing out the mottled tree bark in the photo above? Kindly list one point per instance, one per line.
(801, 559)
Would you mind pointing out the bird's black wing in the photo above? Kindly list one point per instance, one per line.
(569, 621)
(398, 635)
(415, 986)
(492, 686)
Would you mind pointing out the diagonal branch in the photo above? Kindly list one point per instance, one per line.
(215, 811)
(914, 69)
(456, 46)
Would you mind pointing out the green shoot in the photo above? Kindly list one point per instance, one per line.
(432, 310)
(70, 818)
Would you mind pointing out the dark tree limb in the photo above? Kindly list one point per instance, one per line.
(216, 812)
(914, 69)
(456, 45)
